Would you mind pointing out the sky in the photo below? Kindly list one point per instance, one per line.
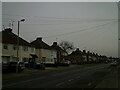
(88, 25)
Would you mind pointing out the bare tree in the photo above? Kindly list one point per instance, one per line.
(66, 46)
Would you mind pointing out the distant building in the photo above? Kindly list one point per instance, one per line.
(94, 57)
(85, 56)
(9, 47)
(76, 57)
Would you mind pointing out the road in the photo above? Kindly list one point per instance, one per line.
(82, 76)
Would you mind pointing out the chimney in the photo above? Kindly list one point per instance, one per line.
(39, 38)
(84, 51)
(77, 49)
(55, 43)
(8, 30)
(88, 52)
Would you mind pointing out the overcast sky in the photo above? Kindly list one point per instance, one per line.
(91, 25)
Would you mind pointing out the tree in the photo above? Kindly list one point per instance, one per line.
(66, 46)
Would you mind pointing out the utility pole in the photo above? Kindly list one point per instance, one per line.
(22, 20)
(118, 4)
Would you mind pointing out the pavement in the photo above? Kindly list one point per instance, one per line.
(111, 80)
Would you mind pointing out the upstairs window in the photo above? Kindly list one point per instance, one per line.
(25, 48)
(32, 49)
(43, 59)
(5, 46)
(14, 47)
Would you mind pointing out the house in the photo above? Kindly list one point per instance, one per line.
(76, 57)
(9, 47)
(93, 57)
(103, 58)
(100, 58)
(61, 54)
(44, 52)
(97, 58)
(85, 56)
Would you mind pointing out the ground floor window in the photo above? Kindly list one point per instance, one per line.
(14, 59)
(43, 59)
(25, 60)
(5, 59)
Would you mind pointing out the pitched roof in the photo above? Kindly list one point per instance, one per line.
(77, 52)
(38, 43)
(56, 47)
(10, 38)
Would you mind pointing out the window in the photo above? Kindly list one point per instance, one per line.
(55, 59)
(25, 59)
(14, 47)
(51, 60)
(25, 48)
(32, 49)
(43, 59)
(5, 46)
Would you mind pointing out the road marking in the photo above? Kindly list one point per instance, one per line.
(59, 84)
(70, 80)
(22, 82)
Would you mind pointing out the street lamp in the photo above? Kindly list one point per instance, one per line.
(22, 20)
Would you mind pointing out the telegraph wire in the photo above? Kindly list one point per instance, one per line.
(56, 18)
(61, 23)
(82, 30)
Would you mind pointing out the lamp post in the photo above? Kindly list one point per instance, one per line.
(22, 20)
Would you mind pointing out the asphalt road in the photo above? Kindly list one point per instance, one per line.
(86, 76)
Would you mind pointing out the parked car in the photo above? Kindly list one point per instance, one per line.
(106, 62)
(114, 63)
(22, 65)
(5, 67)
(66, 63)
(40, 66)
(13, 66)
(26, 64)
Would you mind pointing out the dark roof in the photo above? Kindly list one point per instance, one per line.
(77, 52)
(38, 43)
(10, 38)
(56, 47)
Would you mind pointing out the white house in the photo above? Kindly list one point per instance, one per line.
(9, 47)
(61, 54)
(44, 52)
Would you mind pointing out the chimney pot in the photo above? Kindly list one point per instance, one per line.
(84, 51)
(55, 43)
(39, 38)
(77, 49)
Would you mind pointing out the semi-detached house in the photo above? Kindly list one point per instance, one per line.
(9, 47)
(61, 54)
(44, 52)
